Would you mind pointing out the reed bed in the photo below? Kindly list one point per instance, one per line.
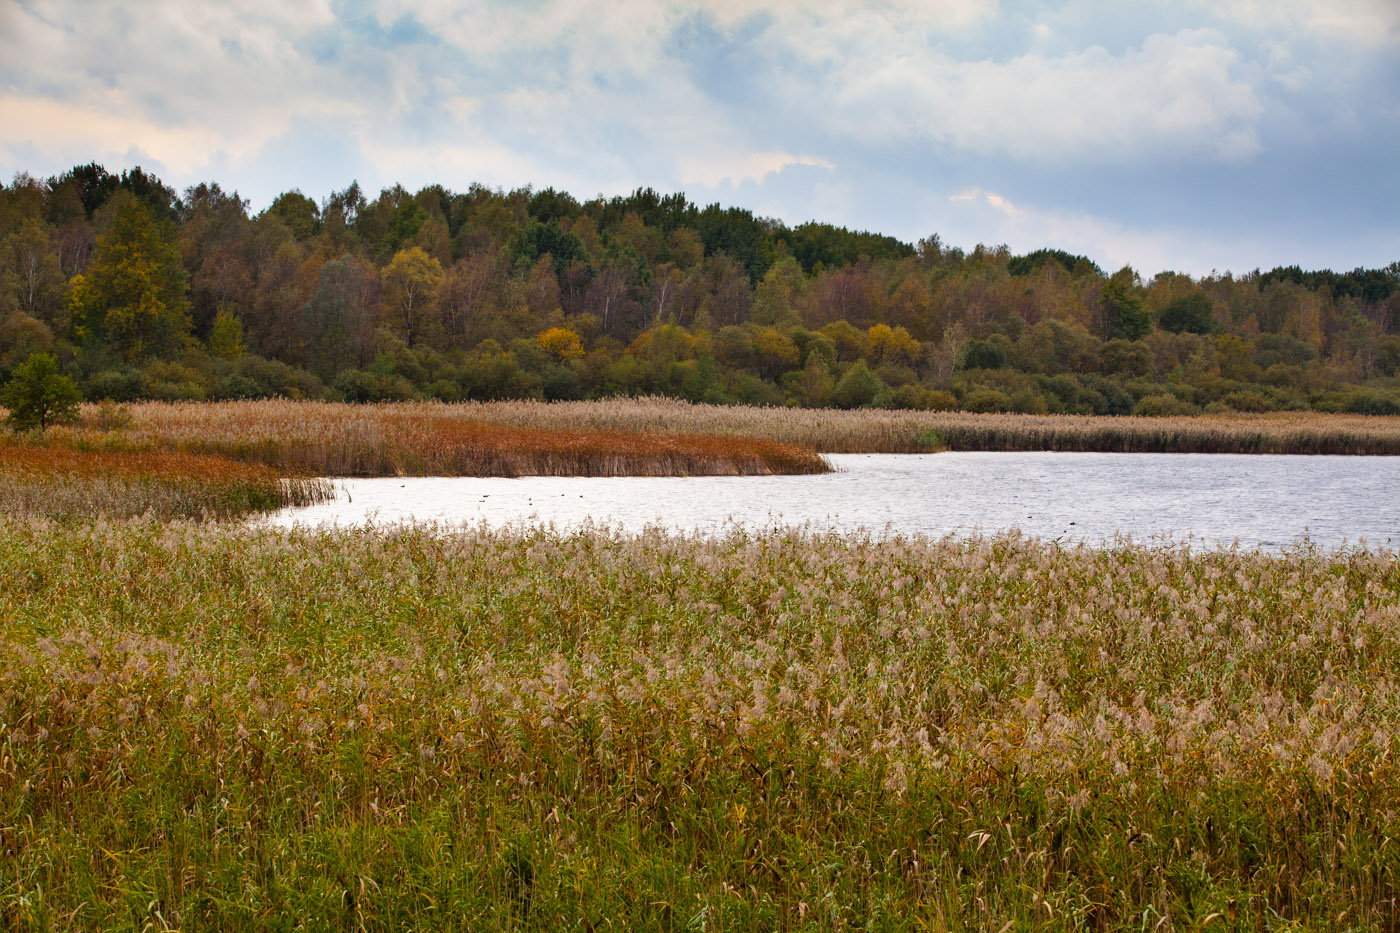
(881, 431)
(432, 439)
(219, 726)
(600, 438)
(66, 484)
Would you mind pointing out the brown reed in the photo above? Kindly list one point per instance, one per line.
(425, 439)
(56, 481)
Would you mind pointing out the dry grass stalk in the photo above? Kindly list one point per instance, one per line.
(66, 483)
(380, 439)
(425, 439)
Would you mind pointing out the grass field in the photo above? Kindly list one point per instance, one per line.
(217, 726)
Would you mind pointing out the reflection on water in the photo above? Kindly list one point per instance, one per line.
(1268, 501)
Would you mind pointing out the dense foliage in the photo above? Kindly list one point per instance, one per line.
(484, 294)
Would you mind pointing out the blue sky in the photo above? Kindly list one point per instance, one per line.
(1190, 135)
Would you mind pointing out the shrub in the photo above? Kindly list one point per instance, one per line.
(858, 388)
(1158, 406)
(38, 395)
(357, 385)
(1370, 403)
(1249, 400)
(986, 400)
(983, 354)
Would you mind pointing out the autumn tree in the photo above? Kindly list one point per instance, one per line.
(134, 294)
(412, 280)
(35, 276)
(338, 321)
(561, 343)
(892, 345)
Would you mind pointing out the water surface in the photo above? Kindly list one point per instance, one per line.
(1213, 499)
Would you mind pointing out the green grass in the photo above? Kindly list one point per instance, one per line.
(214, 726)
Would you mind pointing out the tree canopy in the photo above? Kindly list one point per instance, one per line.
(484, 293)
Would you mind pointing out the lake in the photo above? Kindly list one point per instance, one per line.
(1206, 499)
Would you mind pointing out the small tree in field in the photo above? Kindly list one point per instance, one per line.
(38, 395)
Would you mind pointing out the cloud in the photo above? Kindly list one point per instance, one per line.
(1109, 242)
(714, 169)
(1364, 22)
(863, 112)
(1175, 96)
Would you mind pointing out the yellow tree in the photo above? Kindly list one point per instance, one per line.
(561, 343)
(892, 345)
(135, 293)
(412, 280)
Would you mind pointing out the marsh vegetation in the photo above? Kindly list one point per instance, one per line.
(523, 729)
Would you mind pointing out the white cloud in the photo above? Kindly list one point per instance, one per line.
(719, 95)
(1177, 95)
(712, 169)
(994, 218)
(1364, 22)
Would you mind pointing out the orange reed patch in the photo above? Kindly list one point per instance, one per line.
(153, 464)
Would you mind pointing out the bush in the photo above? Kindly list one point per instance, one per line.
(1370, 403)
(233, 388)
(38, 395)
(1158, 406)
(986, 400)
(111, 417)
(918, 398)
(1249, 400)
(1028, 402)
(115, 385)
(983, 354)
(273, 378)
(357, 385)
(858, 388)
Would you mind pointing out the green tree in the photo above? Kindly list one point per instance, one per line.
(38, 395)
(1124, 314)
(226, 336)
(858, 388)
(1188, 314)
(134, 295)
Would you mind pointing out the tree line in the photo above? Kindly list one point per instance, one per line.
(138, 291)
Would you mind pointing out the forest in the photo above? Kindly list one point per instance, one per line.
(140, 292)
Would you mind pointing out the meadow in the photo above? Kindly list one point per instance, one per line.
(212, 725)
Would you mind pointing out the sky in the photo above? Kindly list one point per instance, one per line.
(1198, 136)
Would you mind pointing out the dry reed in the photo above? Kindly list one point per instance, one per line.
(882, 431)
(65, 483)
(596, 438)
(426, 439)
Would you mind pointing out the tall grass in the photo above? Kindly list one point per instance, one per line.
(212, 726)
(601, 438)
(427, 439)
(64, 483)
(880, 431)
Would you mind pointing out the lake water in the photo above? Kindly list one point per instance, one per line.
(1209, 499)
